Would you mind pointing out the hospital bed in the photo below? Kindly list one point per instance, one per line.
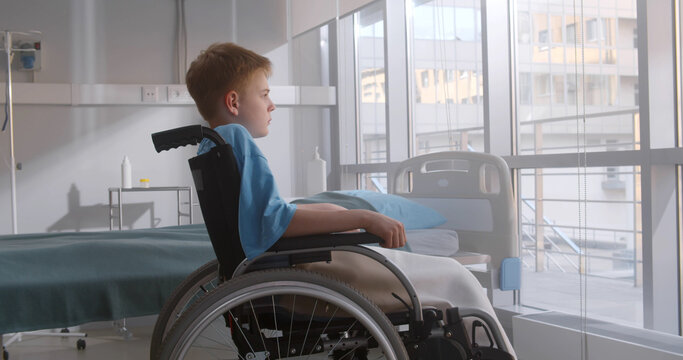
(473, 191)
(57, 280)
(239, 319)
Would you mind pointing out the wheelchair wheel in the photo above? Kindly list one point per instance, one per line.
(193, 287)
(283, 313)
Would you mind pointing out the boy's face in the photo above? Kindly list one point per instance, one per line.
(254, 106)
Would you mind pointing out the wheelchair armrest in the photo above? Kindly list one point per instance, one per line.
(324, 241)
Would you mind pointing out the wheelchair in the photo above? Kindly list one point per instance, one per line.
(266, 308)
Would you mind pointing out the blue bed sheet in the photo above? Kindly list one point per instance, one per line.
(63, 279)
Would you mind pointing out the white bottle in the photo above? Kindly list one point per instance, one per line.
(316, 175)
(126, 174)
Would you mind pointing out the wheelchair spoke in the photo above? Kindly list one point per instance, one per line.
(258, 327)
(277, 338)
(208, 349)
(322, 332)
(234, 320)
(309, 327)
(211, 349)
(291, 322)
(219, 342)
(341, 338)
(227, 337)
(210, 340)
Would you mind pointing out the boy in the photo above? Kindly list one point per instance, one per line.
(230, 87)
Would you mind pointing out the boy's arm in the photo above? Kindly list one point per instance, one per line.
(310, 222)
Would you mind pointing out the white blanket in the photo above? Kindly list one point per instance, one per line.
(439, 281)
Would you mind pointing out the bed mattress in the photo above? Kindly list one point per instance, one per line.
(63, 279)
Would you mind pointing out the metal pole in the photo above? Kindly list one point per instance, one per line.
(120, 209)
(13, 163)
(111, 211)
(189, 194)
(177, 194)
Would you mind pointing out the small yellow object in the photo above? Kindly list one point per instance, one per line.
(144, 183)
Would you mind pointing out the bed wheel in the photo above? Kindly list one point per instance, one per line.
(5, 354)
(64, 331)
(80, 344)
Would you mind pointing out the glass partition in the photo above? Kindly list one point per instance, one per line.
(563, 75)
(370, 83)
(445, 66)
(565, 237)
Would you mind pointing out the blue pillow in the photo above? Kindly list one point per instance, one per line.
(410, 213)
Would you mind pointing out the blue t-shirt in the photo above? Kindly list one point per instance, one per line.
(263, 215)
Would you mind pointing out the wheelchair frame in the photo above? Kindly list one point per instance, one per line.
(219, 175)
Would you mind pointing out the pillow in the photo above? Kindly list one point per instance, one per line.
(410, 213)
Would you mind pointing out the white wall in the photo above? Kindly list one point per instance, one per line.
(311, 123)
(71, 155)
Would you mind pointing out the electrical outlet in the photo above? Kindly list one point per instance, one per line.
(178, 94)
(150, 94)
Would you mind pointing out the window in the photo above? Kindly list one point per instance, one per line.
(543, 36)
(551, 247)
(450, 75)
(374, 182)
(449, 92)
(571, 34)
(556, 26)
(541, 88)
(563, 208)
(635, 38)
(592, 30)
(540, 27)
(636, 94)
(558, 89)
(371, 81)
(523, 28)
(524, 91)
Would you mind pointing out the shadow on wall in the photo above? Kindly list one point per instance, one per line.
(97, 216)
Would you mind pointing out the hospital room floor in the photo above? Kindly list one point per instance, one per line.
(103, 342)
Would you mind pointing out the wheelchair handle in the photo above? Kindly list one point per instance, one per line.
(186, 135)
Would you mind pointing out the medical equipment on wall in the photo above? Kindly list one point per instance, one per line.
(316, 174)
(29, 55)
(18, 43)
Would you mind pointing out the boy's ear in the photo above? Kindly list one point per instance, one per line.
(232, 102)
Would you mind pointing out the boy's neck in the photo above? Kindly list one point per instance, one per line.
(214, 123)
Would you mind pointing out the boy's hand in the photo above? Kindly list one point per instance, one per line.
(391, 231)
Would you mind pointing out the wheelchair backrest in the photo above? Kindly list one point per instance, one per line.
(217, 180)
